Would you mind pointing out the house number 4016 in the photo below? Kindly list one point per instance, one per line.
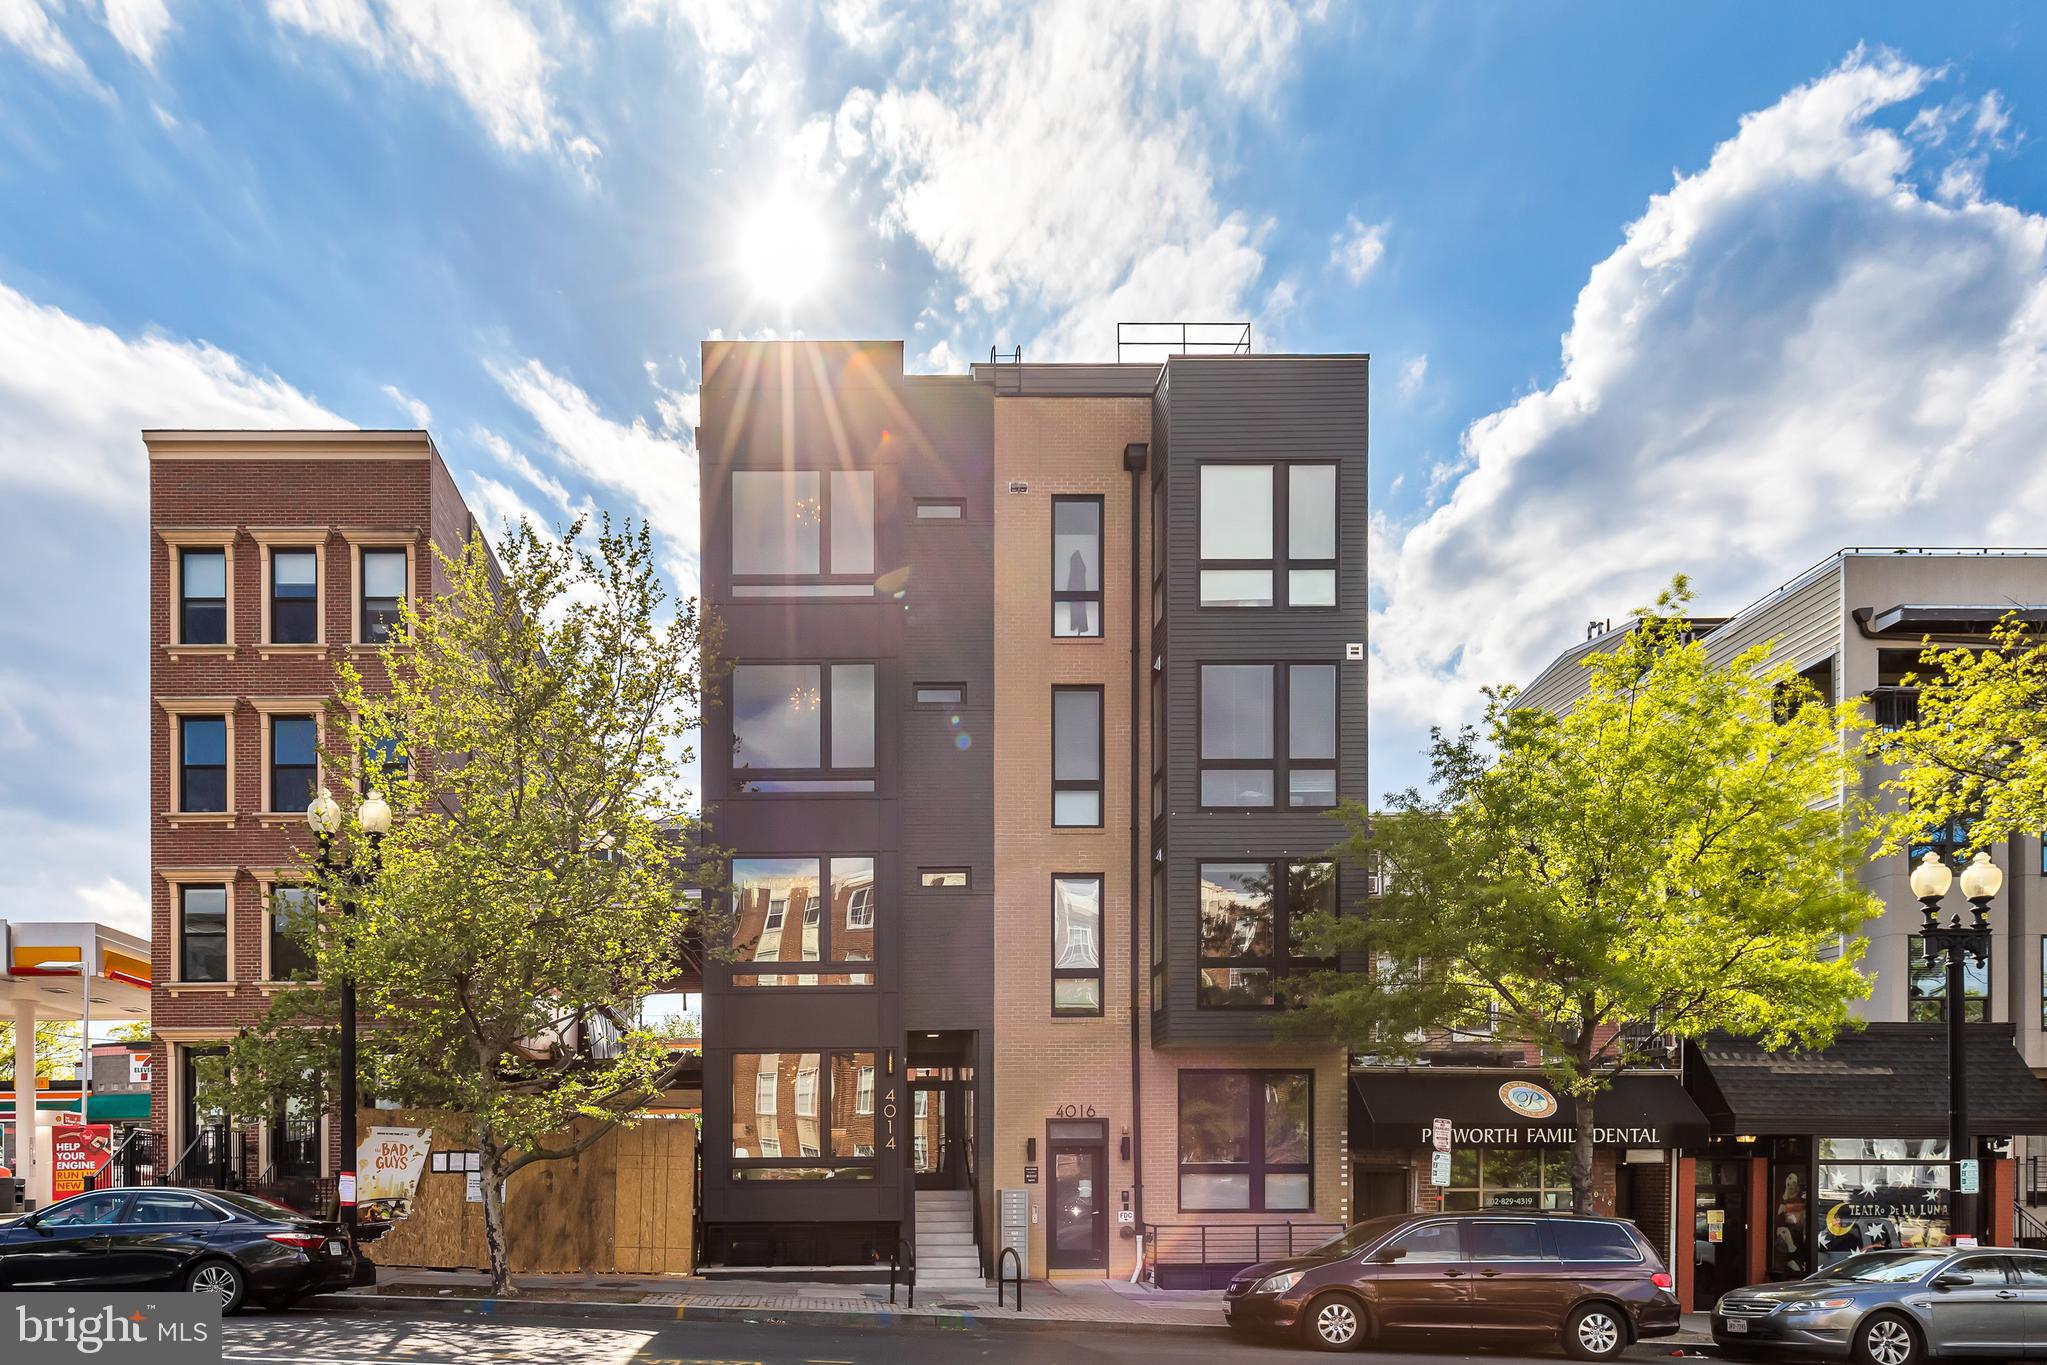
(1074, 1111)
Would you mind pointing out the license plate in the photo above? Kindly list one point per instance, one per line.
(1736, 1325)
(337, 1248)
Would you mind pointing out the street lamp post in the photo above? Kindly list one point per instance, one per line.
(350, 873)
(1958, 942)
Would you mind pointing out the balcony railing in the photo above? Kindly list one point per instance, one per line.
(1891, 707)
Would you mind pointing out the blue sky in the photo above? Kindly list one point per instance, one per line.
(1647, 289)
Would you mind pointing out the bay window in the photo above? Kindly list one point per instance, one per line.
(803, 727)
(1246, 1141)
(804, 1115)
(781, 935)
(1268, 535)
(1246, 709)
(803, 533)
(1076, 945)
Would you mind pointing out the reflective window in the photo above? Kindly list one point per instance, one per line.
(1245, 1140)
(1249, 935)
(169, 1206)
(1243, 767)
(940, 509)
(294, 762)
(1429, 1244)
(1499, 1240)
(202, 763)
(779, 922)
(383, 590)
(1077, 945)
(85, 1210)
(1589, 1241)
(789, 526)
(1236, 511)
(202, 933)
(1076, 566)
(294, 597)
(202, 597)
(940, 694)
(1077, 756)
(852, 525)
(946, 878)
(1268, 535)
(790, 1107)
(782, 715)
(1926, 986)
(289, 926)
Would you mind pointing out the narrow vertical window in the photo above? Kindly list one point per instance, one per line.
(202, 597)
(294, 762)
(1311, 535)
(202, 763)
(1237, 717)
(202, 933)
(1076, 945)
(1236, 535)
(294, 597)
(1076, 567)
(1311, 734)
(383, 589)
(1077, 756)
(288, 925)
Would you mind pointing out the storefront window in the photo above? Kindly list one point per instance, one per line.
(1509, 1178)
(1876, 1193)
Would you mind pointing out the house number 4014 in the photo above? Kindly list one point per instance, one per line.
(1074, 1111)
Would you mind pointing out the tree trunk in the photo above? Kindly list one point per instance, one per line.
(491, 1156)
(1581, 1159)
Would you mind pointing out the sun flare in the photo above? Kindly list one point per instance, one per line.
(784, 251)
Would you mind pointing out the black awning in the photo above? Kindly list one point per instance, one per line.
(1883, 1080)
(1516, 1109)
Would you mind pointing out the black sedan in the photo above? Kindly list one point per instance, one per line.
(234, 1247)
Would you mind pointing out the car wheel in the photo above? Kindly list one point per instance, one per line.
(1334, 1322)
(1598, 1331)
(1887, 1339)
(221, 1281)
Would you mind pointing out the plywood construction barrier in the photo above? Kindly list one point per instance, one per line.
(624, 1207)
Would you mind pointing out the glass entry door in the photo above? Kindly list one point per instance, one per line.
(935, 1107)
(1080, 1215)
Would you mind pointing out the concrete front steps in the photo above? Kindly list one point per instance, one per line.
(946, 1255)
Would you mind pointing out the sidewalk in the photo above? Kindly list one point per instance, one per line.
(1111, 1305)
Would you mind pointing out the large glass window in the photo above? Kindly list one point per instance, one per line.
(1248, 936)
(384, 588)
(294, 762)
(780, 922)
(202, 597)
(202, 933)
(807, 1115)
(1076, 566)
(1246, 1141)
(294, 597)
(1077, 756)
(1881, 1192)
(202, 763)
(803, 533)
(288, 925)
(1245, 710)
(1926, 985)
(1076, 945)
(1509, 1178)
(787, 717)
(1268, 535)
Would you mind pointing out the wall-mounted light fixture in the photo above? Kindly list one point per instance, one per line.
(1030, 1149)
(1126, 1144)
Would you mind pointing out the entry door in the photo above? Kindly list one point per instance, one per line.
(1719, 1231)
(1382, 1190)
(1079, 1237)
(935, 1133)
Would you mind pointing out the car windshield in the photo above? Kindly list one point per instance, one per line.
(1360, 1236)
(249, 1203)
(1882, 1267)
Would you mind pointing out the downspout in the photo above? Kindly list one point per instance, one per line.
(1135, 457)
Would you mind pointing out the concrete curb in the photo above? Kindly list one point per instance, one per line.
(649, 1314)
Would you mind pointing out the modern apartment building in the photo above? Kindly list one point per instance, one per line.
(1038, 684)
(273, 555)
(1811, 1156)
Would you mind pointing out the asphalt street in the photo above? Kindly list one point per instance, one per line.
(342, 1338)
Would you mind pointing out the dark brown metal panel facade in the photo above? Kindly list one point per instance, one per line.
(1252, 408)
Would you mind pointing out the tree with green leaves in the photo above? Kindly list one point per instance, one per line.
(1977, 751)
(56, 1047)
(531, 741)
(1670, 856)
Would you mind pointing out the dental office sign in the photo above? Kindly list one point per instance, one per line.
(1533, 1103)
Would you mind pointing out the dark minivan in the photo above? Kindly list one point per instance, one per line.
(1594, 1284)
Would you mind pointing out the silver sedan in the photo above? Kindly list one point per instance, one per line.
(1897, 1308)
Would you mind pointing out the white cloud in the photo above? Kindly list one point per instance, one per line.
(1793, 349)
(422, 416)
(1058, 157)
(75, 396)
(29, 25)
(1413, 375)
(656, 469)
(1355, 252)
(492, 53)
(138, 26)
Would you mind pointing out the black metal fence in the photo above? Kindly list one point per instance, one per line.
(1206, 1255)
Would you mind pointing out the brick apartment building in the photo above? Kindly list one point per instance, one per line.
(272, 556)
(1042, 679)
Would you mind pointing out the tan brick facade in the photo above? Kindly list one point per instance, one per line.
(1079, 1068)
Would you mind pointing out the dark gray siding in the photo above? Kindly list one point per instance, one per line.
(1252, 408)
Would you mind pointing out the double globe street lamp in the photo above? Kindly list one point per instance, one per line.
(350, 873)
(1959, 942)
